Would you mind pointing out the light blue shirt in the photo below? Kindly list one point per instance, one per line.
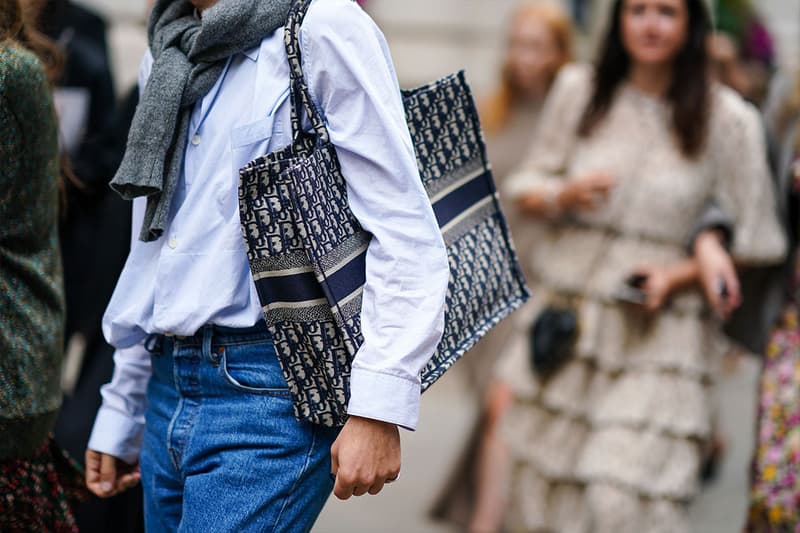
(198, 273)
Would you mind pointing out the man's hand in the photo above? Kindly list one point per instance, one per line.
(364, 457)
(108, 476)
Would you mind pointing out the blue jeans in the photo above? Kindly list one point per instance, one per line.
(222, 450)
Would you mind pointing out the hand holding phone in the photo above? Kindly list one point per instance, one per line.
(722, 290)
(632, 290)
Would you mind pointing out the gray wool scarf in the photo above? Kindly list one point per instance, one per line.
(189, 56)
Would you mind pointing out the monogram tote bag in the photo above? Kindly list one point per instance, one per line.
(307, 251)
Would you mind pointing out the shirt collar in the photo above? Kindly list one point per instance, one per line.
(252, 53)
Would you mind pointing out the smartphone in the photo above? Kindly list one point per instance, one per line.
(631, 291)
(722, 290)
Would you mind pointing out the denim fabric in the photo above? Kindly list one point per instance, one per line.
(222, 450)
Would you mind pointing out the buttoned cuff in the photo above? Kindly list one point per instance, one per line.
(384, 397)
(117, 434)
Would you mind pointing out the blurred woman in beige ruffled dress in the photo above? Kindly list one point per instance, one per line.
(628, 156)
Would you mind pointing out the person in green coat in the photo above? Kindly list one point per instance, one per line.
(36, 480)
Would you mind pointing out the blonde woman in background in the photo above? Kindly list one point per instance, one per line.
(628, 156)
(539, 44)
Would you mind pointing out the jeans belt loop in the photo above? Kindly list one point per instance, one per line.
(208, 336)
(154, 344)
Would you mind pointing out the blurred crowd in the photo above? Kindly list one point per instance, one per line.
(653, 195)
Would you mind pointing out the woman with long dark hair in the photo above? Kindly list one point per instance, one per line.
(37, 482)
(610, 416)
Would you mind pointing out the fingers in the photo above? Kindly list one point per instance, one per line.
(654, 303)
(654, 299)
(347, 486)
(591, 199)
(595, 195)
(734, 290)
(715, 300)
(726, 295)
(341, 490)
(129, 480)
(93, 471)
(601, 183)
(377, 487)
(335, 458)
(108, 474)
(101, 473)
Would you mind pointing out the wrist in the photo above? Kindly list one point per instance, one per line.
(681, 275)
(709, 240)
(363, 420)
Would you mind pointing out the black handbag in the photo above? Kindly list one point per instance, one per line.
(553, 336)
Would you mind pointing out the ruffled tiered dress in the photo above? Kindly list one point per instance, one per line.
(612, 442)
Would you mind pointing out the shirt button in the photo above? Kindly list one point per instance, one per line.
(173, 243)
(196, 140)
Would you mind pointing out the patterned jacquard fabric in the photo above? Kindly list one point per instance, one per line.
(38, 492)
(307, 251)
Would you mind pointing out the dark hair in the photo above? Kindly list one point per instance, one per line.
(18, 24)
(689, 93)
(10, 19)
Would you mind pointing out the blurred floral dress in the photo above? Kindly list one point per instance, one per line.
(775, 491)
(37, 493)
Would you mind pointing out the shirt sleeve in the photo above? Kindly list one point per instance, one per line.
(119, 426)
(352, 81)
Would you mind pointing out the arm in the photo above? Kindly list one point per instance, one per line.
(351, 79)
(709, 264)
(716, 271)
(709, 243)
(740, 222)
(112, 456)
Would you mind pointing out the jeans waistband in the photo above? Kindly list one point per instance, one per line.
(209, 334)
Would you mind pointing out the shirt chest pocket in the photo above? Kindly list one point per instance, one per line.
(252, 140)
(260, 137)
